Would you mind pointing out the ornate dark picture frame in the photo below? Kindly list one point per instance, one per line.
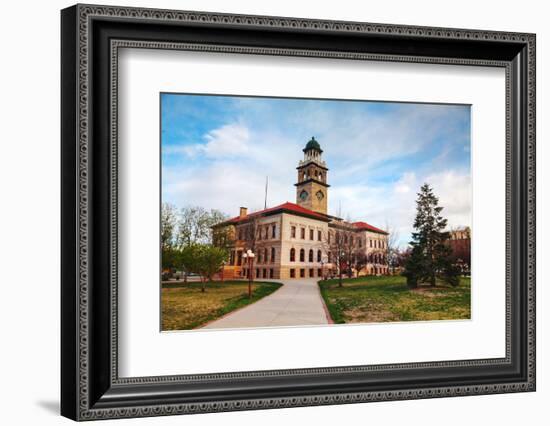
(91, 37)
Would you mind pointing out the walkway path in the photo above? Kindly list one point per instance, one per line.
(297, 302)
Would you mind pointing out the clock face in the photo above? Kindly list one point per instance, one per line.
(320, 195)
(303, 195)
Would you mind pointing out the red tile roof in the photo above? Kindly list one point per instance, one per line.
(282, 208)
(365, 226)
(299, 210)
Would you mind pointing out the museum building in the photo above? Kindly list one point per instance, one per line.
(296, 240)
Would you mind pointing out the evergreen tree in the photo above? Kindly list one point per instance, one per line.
(430, 257)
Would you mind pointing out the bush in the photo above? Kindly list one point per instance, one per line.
(451, 275)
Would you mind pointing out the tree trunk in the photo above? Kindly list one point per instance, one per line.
(340, 283)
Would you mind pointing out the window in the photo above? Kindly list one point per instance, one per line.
(264, 273)
(272, 254)
(370, 241)
(302, 273)
(319, 255)
(292, 254)
(319, 272)
(273, 231)
(318, 235)
(359, 242)
(329, 255)
(266, 259)
(329, 237)
(257, 272)
(302, 255)
(311, 272)
(303, 233)
(311, 234)
(271, 273)
(232, 258)
(292, 273)
(240, 234)
(259, 256)
(293, 232)
(310, 258)
(239, 258)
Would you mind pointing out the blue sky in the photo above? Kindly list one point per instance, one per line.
(218, 150)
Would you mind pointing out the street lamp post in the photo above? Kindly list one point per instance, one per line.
(324, 262)
(250, 256)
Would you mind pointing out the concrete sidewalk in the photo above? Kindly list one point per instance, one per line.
(297, 302)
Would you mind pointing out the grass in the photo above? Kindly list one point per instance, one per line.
(387, 298)
(185, 307)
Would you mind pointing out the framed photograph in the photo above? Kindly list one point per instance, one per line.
(263, 212)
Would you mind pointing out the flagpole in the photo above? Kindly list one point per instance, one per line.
(265, 200)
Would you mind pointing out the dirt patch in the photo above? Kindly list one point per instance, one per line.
(371, 313)
(432, 292)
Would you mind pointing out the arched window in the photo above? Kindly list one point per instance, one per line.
(318, 255)
(266, 259)
(302, 255)
(310, 255)
(272, 255)
(292, 255)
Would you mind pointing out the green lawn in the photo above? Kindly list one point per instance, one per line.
(387, 298)
(185, 307)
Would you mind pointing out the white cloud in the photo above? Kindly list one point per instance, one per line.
(404, 185)
(394, 204)
(230, 140)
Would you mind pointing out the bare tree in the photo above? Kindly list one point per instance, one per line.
(168, 220)
(392, 247)
(249, 234)
(343, 245)
(361, 260)
(195, 225)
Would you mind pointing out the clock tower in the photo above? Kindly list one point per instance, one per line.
(312, 187)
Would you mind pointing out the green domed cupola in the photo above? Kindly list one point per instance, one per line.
(313, 145)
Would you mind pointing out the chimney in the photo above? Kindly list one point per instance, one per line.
(243, 212)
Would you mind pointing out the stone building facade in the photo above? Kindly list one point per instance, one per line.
(293, 240)
(460, 243)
